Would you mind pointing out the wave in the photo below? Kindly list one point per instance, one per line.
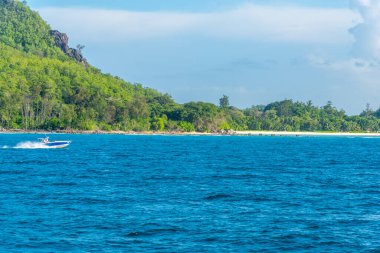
(31, 145)
(155, 231)
(218, 196)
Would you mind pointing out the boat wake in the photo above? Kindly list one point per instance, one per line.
(31, 145)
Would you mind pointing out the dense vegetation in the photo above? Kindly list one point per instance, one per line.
(42, 88)
(25, 30)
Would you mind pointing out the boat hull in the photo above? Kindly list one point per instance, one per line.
(58, 144)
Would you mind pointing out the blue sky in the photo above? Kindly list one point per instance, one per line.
(181, 5)
(256, 52)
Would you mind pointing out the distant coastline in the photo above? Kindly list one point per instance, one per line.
(230, 133)
(51, 86)
(279, 133)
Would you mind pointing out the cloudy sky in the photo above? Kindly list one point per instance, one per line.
(254, 51)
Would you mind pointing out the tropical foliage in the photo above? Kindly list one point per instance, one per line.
(42, 88)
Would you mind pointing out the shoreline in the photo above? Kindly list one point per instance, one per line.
(174, 133)
(310, 134)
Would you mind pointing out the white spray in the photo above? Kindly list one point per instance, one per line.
(31, 145)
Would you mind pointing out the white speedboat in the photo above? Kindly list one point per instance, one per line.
(54, 144)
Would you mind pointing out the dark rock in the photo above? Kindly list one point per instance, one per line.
(76, 54)
(62, 41)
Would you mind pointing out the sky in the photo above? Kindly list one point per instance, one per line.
(254, 51)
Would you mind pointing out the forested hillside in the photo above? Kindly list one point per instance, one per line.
(46, 85)
(43, 88)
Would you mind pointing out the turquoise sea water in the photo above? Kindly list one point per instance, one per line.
(113, 193)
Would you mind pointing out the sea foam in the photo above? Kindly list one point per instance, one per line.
(31, 145)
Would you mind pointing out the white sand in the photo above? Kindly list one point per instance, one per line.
(278, 133)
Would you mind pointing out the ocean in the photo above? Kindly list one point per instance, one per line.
(118, 193)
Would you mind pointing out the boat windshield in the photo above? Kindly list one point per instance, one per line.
(44, 140)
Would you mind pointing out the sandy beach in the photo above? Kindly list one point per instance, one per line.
(278, 133)
(230, 133)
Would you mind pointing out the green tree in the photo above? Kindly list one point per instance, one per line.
(224, 102)
(186, 126)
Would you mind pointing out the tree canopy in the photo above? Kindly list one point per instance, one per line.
(42, 88)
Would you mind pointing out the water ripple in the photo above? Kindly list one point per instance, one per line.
(119, 193)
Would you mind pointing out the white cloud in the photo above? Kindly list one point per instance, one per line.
(364, 61)
(356, 66)
(254, 22)
(367, 31)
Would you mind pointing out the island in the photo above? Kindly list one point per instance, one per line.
(47, 86)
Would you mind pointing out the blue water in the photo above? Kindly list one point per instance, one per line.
(110, 193)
